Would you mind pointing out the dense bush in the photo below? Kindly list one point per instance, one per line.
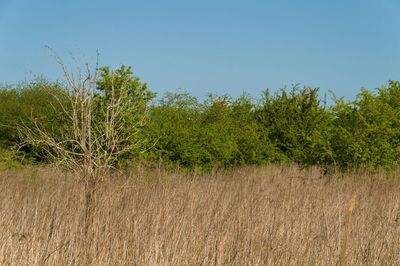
(173, 127)
(286, 126)
(119, 115)
(27, 104)
(218, 132)
(366, 132)
(298, 125)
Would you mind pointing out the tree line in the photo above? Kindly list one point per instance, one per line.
(288, 125)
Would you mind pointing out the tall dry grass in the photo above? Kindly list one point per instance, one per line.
(254, 216)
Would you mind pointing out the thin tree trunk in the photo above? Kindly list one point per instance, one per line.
(90, 204)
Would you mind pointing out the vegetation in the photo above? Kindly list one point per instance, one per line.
(275, 215)
(180, 131)
(215, 208)
(23, 104)
(288, 126)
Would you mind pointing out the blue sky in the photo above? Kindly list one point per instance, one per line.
(209, 45)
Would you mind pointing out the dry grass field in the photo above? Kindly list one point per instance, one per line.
(252, 216)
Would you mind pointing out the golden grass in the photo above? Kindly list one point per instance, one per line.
(255, 216)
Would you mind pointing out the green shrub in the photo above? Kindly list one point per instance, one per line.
(218, 132)
(367, 130)
(297, 125)
(9, 159)
(287, 126)
(173, 128)
(26, 103)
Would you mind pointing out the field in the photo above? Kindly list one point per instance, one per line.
(268, 215)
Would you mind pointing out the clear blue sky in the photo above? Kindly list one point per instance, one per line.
(223, 46)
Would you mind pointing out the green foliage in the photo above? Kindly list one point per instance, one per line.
(297, 125)
(231, 133)
(367, 131)
(135, 93)
(26, 103)
(178, 130)
(218, 132)
(174, 128)
(9, 159)
(120, 87)
(9, 112)
(253, 147)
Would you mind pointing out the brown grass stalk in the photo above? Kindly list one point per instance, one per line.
(252, 216)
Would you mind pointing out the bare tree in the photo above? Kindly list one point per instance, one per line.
(104, 114)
